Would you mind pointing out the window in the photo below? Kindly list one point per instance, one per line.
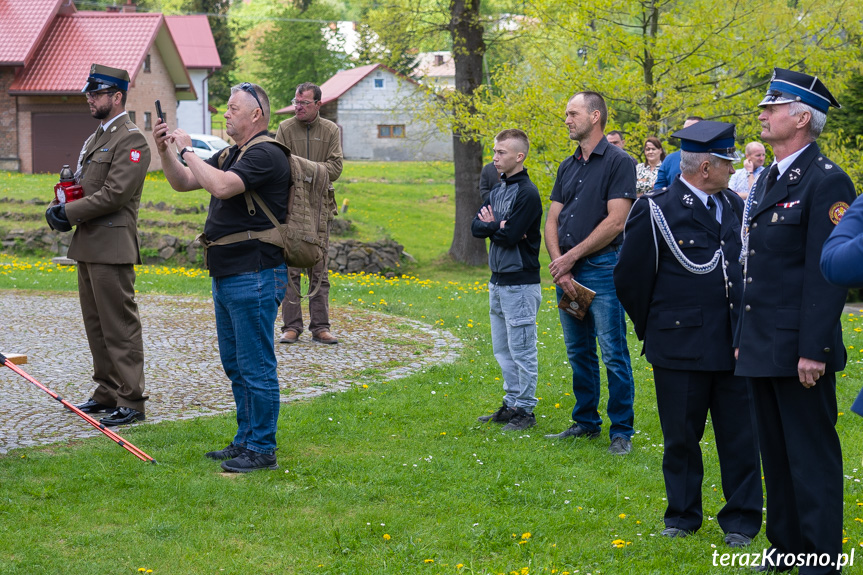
(396, 131)
(438, 59)
(132, 116)
(147, 64)
(379, 83)
(148, 121)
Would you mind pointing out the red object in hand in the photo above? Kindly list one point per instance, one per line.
(67, 190)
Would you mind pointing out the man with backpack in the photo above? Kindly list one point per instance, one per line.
(248, 277)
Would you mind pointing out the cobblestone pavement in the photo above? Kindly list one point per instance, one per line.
(184, 377)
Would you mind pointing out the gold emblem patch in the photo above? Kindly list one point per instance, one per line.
(837, 210)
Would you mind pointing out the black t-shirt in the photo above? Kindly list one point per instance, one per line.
(264, 168)
(584, 187)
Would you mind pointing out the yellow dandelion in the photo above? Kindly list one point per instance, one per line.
(622, 515)
(525, 536)
(428, 561)
(387, 537)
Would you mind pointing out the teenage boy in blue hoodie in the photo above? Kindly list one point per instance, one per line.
(511, 219)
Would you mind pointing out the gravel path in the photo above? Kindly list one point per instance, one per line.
(184, 375)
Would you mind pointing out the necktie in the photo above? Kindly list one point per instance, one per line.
(772, 176)
(711, 207)
(99, 132)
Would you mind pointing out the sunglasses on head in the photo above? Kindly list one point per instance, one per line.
(247, 87)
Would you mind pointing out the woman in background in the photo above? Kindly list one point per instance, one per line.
(645, 172)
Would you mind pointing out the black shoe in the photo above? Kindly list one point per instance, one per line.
(250, 461)
(575, 430)
(520, 420)
(229, 452)
(122, 416)
(93, 406)
(502, 415)
(737, 540)
(674, 532)
(620, 445)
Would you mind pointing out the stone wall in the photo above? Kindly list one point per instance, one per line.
(347, 256)
(352, 256)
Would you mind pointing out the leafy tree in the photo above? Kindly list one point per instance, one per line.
(657, 61)
(293, 51)
(459, 25)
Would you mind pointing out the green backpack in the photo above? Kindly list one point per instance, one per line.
(304, 235)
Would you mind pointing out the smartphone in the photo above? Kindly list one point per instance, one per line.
(159, 111)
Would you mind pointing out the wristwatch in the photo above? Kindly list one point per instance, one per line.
(186, 149)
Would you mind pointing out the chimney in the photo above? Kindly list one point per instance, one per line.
(129, 6)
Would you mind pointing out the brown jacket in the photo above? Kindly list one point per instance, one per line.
(319, 141)
(113, 169)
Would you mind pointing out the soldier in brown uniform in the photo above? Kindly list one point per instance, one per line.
(111, 169)
(319, 140)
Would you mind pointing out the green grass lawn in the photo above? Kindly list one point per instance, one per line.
(393, 478)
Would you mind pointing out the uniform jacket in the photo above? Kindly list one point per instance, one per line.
(789, 310)
(320, 141)
(113, 169)
(686, 320)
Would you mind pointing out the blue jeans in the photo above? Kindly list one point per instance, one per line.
(246, 308)
(605, 321)
(512, 311)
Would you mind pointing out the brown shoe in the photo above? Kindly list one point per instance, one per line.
(289, 336)
(324, 337)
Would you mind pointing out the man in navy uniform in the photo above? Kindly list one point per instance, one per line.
(678, 278)
(789, 336)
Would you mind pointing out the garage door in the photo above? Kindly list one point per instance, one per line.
(57, 139)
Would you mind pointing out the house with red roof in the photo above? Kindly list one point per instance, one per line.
(194, 39)
(46, 49)
(383, 115)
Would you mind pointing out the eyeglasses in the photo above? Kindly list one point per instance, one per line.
(247, 87)
(97, 95)
(296, 102)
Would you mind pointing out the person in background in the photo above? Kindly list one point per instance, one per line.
(488, 178)
(592, 194)
(744, 178)
(615, 138)
(645, 173)
(314, 138)
(511, 219)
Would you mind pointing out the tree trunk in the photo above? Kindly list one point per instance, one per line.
(468, 51)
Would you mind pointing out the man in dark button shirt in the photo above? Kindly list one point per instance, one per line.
(789, 334)
(249, 276)
(594, 190)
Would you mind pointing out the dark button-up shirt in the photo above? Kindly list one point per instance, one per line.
(584, 186)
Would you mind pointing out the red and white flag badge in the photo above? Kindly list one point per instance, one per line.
(135, 155)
